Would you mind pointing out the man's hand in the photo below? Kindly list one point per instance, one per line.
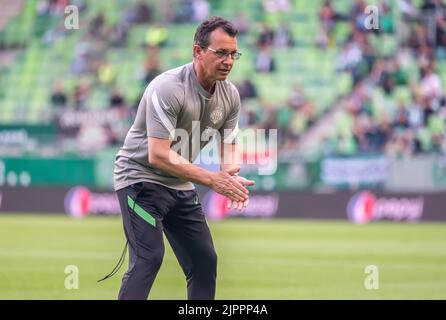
(241, 204)
(229, 184)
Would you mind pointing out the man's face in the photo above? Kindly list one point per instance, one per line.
(217, 68)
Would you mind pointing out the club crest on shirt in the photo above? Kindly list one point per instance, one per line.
(216, 115)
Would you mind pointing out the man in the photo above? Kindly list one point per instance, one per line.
(154, 182)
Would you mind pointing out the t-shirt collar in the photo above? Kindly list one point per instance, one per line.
(201, 90)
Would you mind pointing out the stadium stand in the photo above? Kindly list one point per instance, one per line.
(302, 64)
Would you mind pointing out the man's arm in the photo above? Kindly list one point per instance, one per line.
(229, 156)
(163, 158)
(229, 160)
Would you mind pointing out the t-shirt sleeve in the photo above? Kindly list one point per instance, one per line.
(163, 104)
(229, 130)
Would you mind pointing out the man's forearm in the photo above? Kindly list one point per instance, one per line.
(229, 156)
(178, 166)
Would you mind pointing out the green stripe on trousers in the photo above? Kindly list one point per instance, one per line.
(141, 212)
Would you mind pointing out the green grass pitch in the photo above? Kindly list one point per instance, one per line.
(258, 259)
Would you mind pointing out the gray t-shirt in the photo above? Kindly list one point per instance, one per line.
(173, 104)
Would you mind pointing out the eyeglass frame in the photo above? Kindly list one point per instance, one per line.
(237, 53)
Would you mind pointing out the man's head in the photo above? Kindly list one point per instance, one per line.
(215, 48)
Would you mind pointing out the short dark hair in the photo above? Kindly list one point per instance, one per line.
(205, 29)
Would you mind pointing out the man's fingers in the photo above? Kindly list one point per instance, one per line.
(250, 183)
(237, 192)
(233, 171)
(235, 195)
(245, 181)
(240, 205)
(239, 186)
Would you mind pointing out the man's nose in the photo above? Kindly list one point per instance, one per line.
(228, 57)
(228, 61)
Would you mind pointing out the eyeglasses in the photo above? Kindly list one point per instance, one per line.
(224, 54)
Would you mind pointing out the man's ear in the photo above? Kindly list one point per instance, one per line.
(197, 51)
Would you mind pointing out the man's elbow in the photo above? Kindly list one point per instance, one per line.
(156, 159)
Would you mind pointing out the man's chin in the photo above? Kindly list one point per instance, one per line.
(222, 77)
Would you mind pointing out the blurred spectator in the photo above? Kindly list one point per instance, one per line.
(309, 111)
(201, 10)
(247, 118)
(43, 7)
(408, 14)
(97, 27)
(430, 6)
(403, 143)
(360, 134)
(283, 37)
(346, 145)
(380, 134)
(327, 16)
(350, 59)
(118, 35)
(53, 35)
(106, 74)
(322, 39)
(185, 11)
(407, 9)
(297, 98)
(401, 117)
(431, 86)
(386, 23)
(82, 55)
(270, 117)
(266, 36)
(265, 61)
(112, 137)
(116, 99)
(388, 75)
(425, 57)
(247, 90)
(156, 35)
(328, 146)
(81, 94)
(141, 13)
(419, 38)
(440, 33)
(357, 13)
(416, 112)
(166, 11)
(439, 144)
(242, 24)
(327, 22)
(428, 111)
(59, 97)
(152, 65)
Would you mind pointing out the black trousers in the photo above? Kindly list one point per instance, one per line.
(150, 209)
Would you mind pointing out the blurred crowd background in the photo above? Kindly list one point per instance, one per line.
(311, 69)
